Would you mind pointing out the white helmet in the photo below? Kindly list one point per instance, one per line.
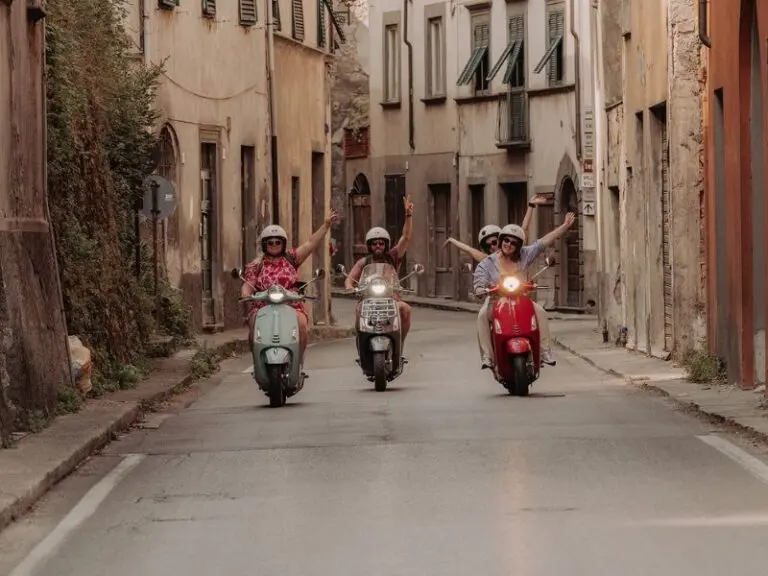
(514, 231)
(377, 233)
(487, 231)
(272, 231)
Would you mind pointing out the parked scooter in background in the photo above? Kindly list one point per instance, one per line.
(277, 365)
(379, 336)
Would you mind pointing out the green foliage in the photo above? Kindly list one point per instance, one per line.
(702, 367)
(204, 363)
(101, 145)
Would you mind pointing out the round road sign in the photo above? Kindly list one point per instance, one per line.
(166, 197)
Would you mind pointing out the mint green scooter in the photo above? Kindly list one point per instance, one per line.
(277, 365)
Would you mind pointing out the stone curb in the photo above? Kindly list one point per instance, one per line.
(126, 418)
(648, 384)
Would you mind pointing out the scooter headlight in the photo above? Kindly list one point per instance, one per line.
(378, 287)
(510, 284)
(275, 295)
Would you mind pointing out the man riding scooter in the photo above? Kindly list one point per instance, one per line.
(380, 249)
(513, 258)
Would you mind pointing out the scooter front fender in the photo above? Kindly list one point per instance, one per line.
(277, 356)
(518, 346)
(380, 344)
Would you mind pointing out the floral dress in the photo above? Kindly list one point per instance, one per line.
(265, 272)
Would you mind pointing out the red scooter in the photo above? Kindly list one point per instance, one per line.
(515, 333)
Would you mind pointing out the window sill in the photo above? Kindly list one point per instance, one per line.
(393, 105)
(477, 98)
(434, 100)
(550, 90)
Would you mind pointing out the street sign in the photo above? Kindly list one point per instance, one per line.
(165, 203)
(589, 209)
(587, 180)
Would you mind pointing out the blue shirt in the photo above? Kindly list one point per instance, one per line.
(488, 272)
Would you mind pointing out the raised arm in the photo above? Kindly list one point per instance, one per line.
(477, 255)
(538, 200)
(550, 238)
(405, 239)
(305, 250)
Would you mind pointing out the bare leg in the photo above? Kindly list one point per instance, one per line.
(546, 343)
(405, 320)
(484, 336)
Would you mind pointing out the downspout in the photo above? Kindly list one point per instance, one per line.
(704, 24)
(410, 74)
(273, 112)
(577, 78)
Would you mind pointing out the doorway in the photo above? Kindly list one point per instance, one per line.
(360, 208)
(320, 312)
(570, 271)
(208, 199)
(247, 203)
(395, 209)
(440, 224)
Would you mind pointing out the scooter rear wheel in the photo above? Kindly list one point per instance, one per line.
(521, 385)
(380, 371)
(276, 390)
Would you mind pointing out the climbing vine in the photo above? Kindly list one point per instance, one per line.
(101, 145)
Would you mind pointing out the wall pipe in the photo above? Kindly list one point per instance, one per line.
(410, 75)
(577, 78)
(704, 24)
(273, 112)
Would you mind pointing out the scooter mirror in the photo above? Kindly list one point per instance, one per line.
(235, 273)
(340, 269)
(468, 266)
(550, 261)
(418, 269)
(320, 273)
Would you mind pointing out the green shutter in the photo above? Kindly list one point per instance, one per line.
(556, 33)
(209, 8)
(321, 28)
(167, 4)
(276, 15)
(298, 20)
(471, 68)
(248, 13)
(500, 62)
(514, 58)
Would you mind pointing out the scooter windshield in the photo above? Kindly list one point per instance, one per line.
(379, 270)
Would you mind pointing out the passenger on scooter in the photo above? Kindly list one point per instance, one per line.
(488, 239)
(278, 264)
(513, 258)
(378, 242)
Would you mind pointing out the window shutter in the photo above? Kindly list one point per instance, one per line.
(248, 14)
(298, 19)
(482, 35)
(517, 116)
(516, 28)
(209, 8)
(321, 27)
(276, 15)
(167, 4)
(556, 29)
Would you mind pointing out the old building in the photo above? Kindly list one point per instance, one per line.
(475, 108)
(217, 135)
(34, 360)
(735, 185)
(650, 203)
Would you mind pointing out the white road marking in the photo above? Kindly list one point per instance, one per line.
(757, 467)
(79, 514)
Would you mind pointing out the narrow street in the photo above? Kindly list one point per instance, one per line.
(443, 475)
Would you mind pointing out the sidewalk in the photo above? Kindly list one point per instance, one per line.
(742, 408)
(450, 305)
(39, 461)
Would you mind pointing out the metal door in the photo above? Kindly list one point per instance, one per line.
(207, 203)
(440, 200)
(360, 208)
(571, 256)
(666, 224)
(395, 209)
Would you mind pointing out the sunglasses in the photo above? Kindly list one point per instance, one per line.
(274, 242)
(378, 243)
(510, 241)
(493, 242)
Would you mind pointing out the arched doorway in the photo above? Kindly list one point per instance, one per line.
(360, 212)
(570, 254)
(167, 167)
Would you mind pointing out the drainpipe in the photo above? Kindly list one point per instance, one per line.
(410, 75)
(273, 113)
(577, 78)
(704, 24)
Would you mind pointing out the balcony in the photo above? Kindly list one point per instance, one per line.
(357, 143)
(512, 130)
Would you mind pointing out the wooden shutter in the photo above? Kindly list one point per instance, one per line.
(298, 19)
(556, 24)
(321, 26)
(482, 34)
(248, 14)
(276, 15)
(209, 8)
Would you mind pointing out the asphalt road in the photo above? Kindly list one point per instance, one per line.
(443, 475)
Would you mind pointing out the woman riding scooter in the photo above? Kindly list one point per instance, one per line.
(279, 264)
(513, 258)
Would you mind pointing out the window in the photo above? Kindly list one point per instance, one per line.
(209, 8)
(248, 13)
(298, 20)
(435, 57)
(392, 63)
(513, 55)
(477, 68)
(554, 57)
(321, 28)
(276, 15)
(167, 4)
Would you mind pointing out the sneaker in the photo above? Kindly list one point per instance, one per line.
(546, 357)
(487, 363)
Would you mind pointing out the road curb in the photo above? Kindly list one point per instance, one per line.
(131, 413)
(647, 384)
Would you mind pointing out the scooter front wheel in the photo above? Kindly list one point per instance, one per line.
(380, 371)
(276, 389)
(522, 384)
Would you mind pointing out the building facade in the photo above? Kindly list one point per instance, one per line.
(216, 136)
(735, 185)
(475, 108)
(649, 90)
(34, 356)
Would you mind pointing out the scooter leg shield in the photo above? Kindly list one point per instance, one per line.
(277, 356)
